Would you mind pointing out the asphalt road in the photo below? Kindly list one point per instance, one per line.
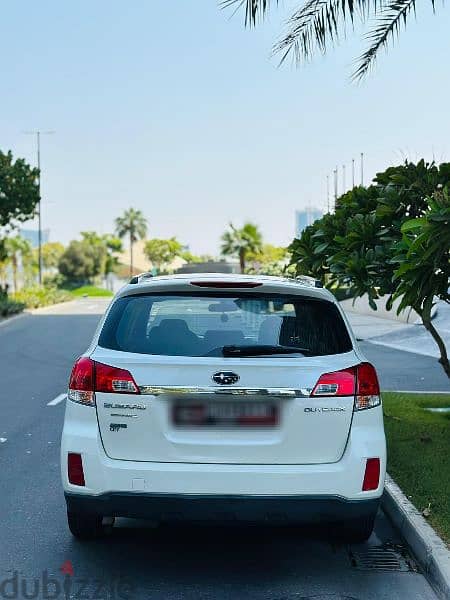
(36, 353)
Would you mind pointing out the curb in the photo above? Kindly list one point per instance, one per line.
(429, 550)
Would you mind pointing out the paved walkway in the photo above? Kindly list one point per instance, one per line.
(401, 336)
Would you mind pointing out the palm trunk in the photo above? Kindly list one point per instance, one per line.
(242, 259)
(131, 254)
(14, 270)
(426, 319)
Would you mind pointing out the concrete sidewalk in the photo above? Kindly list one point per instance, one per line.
(399, 335)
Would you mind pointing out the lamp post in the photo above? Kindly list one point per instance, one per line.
(38, 134)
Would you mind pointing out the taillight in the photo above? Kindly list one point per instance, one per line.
(75, 471)
(113, 380)
(89, 376)
(338, 383)
(360, 381)
(81, 384)
(367, 387)
(371, 474)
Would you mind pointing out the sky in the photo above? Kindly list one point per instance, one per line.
(176, 109)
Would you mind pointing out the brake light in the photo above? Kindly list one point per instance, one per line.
(81, 384)
(88, 377)
(226, 284)
(367, 387)
(75, 471)
(338, 383)
(371, 474)
(113, 380)
(360, 381)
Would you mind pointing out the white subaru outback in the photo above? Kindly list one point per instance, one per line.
(223, 397)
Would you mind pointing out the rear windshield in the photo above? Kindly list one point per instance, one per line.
(203, 324)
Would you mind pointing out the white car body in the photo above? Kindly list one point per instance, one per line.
(135, 461)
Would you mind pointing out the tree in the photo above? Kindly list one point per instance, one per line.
(105, 248)
(51, 253)
(318, 24)
(362, 243)
(422, 258)
(239, 242)
(18, 252)
(268, 260)
(162, 252)
(79, 262)
(131, 224)
(19, 191)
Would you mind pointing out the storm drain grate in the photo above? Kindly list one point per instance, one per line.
(381, 558)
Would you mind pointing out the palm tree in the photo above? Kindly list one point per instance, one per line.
(134, 225)
(317, 24)
(18, 251)
(239, 242)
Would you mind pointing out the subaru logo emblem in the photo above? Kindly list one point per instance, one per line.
(225, 377)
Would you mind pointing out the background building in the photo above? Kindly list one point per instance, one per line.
(32, 236)
(306, 217)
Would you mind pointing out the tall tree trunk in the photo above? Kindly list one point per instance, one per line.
(131, 254)
(426, 319)
(242, 259)
(14, 270)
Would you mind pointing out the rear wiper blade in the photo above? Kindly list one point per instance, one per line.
(262, 349)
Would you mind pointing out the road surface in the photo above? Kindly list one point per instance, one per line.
(36, 353)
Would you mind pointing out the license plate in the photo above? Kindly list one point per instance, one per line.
(228, 414)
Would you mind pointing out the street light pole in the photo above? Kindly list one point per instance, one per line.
(38, 134)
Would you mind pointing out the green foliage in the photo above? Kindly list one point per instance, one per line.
(37, 296)
(92, 257)
(19, 191)
(10, 307)
(418, 443)
(268, 260)
(18, 252)
(162, 252)
(391, 239)
(80, 262)
(422, 256)
(131, 224)
(240, 242)
(90, 290)
(51, 253)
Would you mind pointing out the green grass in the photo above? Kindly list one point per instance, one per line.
(419, 453)
(90, 290)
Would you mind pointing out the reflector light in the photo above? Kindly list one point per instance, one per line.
(371, 475)
(338, 383)
(226, 284)
(75, 471)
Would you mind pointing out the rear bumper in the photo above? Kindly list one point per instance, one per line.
(223, 508)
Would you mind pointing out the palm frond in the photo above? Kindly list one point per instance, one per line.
(320, 23)
(254, 9)
(392, 17)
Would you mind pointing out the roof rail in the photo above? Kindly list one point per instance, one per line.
(140, 277)
(311, 281)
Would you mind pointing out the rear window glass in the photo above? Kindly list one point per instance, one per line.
(202, 324)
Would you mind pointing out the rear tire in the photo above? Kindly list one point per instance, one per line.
(357, 530)
(85, 526)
